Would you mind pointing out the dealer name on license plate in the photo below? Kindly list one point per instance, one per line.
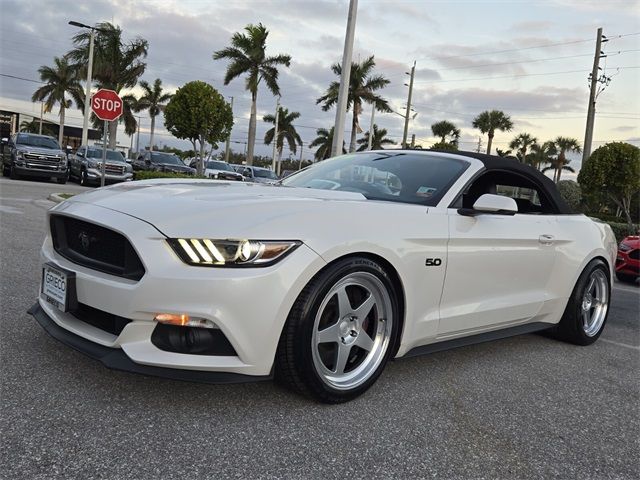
(55, 285)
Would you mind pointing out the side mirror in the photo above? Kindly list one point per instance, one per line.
(5, 141)
(80, 154)
(491, 204)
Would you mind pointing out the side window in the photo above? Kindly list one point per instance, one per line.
(529, 198)
(247, 172)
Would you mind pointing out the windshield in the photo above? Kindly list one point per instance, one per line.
(219, 166)
(264, 173)
(35, 141)
(112, 155)
(166, 158)
(394, 176)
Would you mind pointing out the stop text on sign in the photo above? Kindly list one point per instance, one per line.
(106, 104)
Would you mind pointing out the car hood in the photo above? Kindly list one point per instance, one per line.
(206, 208)
(632, 241)
(39, 150)
(173, 166)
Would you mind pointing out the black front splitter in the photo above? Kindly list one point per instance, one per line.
(116, 359)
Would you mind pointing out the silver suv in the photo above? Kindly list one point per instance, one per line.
(31, 155)
(86, 166)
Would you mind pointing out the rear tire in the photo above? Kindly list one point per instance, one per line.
(586, 313)
(340, 332)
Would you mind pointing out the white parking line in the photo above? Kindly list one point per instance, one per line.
(619, 344)
(625, 288)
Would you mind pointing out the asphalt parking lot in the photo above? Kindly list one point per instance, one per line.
(525, 407)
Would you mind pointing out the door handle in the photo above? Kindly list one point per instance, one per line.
(546, 239)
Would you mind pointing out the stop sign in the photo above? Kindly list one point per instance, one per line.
(106, 104)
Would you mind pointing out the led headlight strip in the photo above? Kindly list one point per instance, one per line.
(231, 253)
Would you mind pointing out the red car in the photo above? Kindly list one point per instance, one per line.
(628, 260)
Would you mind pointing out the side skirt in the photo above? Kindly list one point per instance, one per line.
(479, 338)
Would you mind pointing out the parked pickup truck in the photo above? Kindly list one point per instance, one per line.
(31, 155)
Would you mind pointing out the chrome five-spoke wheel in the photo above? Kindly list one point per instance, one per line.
(341, 331)
(351, 331)
(595, 302)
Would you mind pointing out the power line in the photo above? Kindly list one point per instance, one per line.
(438, 57)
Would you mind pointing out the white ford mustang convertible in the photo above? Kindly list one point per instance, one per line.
(321, 280)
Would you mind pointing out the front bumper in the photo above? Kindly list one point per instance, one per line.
(26, 170)
(249, 306)
(627, 265)
(94, 175)
(116, 359)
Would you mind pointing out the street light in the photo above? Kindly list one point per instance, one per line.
(87, 97)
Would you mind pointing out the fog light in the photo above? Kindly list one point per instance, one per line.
(184, 320)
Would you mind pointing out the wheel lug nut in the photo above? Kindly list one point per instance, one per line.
(353, 333)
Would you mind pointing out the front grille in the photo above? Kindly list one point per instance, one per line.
(95, 247)
(46, 162)
(43, 159)
(105, 321)
(634, 254)
(114, 169)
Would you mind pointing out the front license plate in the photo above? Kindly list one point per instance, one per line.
(55, 286)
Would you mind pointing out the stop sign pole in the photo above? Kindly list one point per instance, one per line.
(107, 106)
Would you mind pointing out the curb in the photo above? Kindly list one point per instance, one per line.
(55, 197)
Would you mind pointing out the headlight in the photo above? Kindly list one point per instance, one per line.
(93, 163)
(624, 247)
(128, 168)
(20, 154)
(231, 253)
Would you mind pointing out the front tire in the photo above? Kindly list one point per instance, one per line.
(626, 277)
(84, 179)
(588, 308)
(340, 332)
(13, 175)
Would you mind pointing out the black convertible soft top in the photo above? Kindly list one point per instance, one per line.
(505, 164)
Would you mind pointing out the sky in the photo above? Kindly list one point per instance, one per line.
(530, 59)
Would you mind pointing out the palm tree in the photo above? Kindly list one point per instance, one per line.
(153, 99)
(503, 153)
(521, 143)
(561, 162)
(490, 121)
(33, 126)
(324, 142)
(362, 87)
(286, 130)
(247, 54)
(445, 128)
(377, 141)
(540, 155)
(117, 63)
(60, 80)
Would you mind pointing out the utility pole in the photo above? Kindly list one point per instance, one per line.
(138, 139)
(413, 141)
(479, 145)
(275, 136)
(343, 92)
(373, 112)
(406, 115)
(300, 161)
(41, 114)
(226, 148)
(591, 112)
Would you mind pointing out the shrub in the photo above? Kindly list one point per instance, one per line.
(571, 193)
(148, 174)
(622, 230)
